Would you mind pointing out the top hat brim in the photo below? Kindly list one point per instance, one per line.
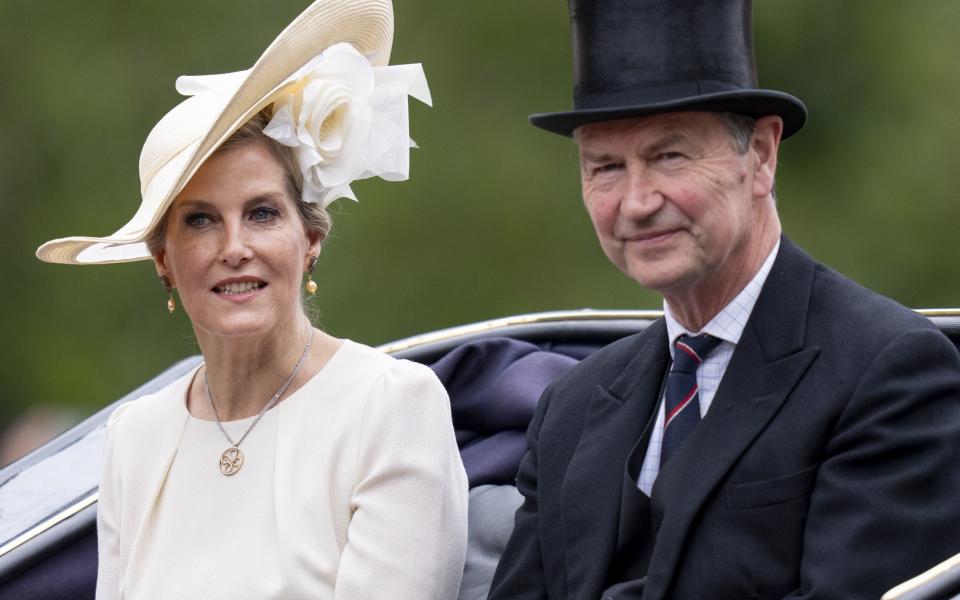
(753, 103)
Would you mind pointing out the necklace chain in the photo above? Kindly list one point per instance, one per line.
(266, 407)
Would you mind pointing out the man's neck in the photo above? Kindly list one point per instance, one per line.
(695, 308)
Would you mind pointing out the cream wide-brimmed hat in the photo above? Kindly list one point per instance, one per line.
(219, 104)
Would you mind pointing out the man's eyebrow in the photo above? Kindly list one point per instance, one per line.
(598, 157)
(658, 145)
(669, 139)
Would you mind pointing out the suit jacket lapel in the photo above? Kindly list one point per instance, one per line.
(591, 490)
(766, 365)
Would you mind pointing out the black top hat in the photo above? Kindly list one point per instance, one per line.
(639, 57)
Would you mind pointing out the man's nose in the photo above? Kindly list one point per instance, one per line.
(235, 249)
(642, 196)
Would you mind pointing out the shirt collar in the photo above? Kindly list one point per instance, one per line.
(727, 324)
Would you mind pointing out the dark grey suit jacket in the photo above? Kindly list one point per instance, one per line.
(828, 465)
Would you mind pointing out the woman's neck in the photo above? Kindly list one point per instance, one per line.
(245, 372)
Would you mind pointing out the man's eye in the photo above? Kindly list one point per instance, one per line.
(198, 220)
(605, 168)
(669, 156)
(263, 213)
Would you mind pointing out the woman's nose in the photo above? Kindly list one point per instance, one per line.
(235, 249)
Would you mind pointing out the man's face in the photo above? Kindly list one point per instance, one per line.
(673, 202)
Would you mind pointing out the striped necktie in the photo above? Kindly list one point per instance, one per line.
(682, 402)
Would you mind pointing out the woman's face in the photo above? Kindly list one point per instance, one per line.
(235, 246)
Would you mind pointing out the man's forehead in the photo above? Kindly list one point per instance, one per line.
(675, 124)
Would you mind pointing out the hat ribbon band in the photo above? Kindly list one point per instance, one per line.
(652, 94)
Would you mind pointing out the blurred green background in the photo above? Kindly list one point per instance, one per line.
(490, 223)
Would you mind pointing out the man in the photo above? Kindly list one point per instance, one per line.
(782, 432)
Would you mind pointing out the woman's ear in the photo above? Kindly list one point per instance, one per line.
(316, 244)
(313, 254)
(160, 263)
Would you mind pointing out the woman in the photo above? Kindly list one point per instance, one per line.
(291, 464)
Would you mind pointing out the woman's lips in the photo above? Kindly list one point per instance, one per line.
(239, 290)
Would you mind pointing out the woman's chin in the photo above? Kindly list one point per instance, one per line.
(239, 324)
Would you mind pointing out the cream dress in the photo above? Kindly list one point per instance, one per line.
(352, 487)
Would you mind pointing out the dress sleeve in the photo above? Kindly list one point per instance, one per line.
(407, 537)
(108, 518)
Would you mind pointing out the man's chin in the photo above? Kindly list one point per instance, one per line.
(659, 276)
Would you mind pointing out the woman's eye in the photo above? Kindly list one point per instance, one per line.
(263, 213)
(198, 220)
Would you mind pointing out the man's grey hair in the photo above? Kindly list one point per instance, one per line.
(740, 128)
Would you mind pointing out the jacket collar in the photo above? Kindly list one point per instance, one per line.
(766, 365)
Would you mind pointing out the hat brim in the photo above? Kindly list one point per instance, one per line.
(365, 24)
(753, 103)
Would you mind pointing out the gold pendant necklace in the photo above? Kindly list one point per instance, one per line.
(231, 459)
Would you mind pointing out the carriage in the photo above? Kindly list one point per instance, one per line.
(493, 370)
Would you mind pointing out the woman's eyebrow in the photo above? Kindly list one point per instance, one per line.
(198, 204)
(275, 197)
(193, 204)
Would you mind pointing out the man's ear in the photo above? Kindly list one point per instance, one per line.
(764, 144)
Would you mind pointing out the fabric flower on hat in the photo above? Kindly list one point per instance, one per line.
(347, 120)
